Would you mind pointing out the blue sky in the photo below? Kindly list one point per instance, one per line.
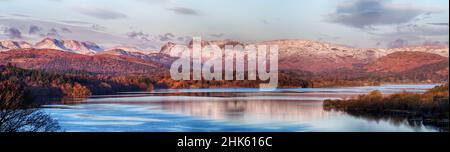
(359, 23)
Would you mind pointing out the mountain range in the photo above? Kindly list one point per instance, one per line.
(297, 56)
(86, 48)
(8, 44)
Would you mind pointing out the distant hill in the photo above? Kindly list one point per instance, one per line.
(403, 61)
(319, 57)
(62, 61)
(398, 67)
(304, 58)
(159, 58)
(435, 71)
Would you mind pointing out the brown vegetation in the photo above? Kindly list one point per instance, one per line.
(432, 105)
(40, 85)
(63, 62)
(434, 102)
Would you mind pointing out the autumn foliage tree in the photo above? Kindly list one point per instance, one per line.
(434, 103)
(76, 90)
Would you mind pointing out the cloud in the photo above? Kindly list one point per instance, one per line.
(412, 34)
(54, 30)
(439, 24)
(180, 39)
(391, 24)
(398, 43)
(368, 13)
(75, 22)
(19, 15)
(421, 30)
(166, 37)
(430, 42)
(98, 27)
(326, 37)
(378, 44)
(265, 21)
(184, 11)
(34, 29)
(84, 33)
(137, 35)
(52, 33)
(154, 1)
(217, 35)
(65, 29)
(101, 13)
(13, 33)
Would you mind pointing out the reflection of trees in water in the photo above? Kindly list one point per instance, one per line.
(19, 116)
(255, 110)
(396, 120)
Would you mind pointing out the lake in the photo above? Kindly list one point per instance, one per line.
(226, 110)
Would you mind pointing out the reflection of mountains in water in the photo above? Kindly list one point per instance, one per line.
(250, 111)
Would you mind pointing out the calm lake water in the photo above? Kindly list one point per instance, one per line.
(229, 110)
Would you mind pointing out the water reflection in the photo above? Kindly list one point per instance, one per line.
(226, 110)
(251, 111)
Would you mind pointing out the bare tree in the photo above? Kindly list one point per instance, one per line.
(18, 116)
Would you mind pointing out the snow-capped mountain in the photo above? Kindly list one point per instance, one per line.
(118, 52)
(297, 55)
(8, 44)
(306, 47)
(86, 48)
(165, 49)
(160, 58)
(129, 49)
(317, 56)
(289, 48)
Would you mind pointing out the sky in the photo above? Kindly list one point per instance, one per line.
(149, 23)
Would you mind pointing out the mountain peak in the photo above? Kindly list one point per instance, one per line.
(9, 44)
(87, 48)
(130, 49)
(165, 49)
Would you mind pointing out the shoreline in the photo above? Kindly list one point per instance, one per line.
(428, 108)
